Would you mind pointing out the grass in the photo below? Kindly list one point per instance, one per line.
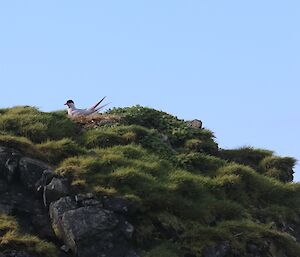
(200, 163)
(12, 239)
(246, 155)
(37, 126)
(56, 151)
(22, 144)
(280, 168)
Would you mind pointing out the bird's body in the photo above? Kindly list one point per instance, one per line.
(73, 111)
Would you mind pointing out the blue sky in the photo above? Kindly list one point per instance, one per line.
(232, 64)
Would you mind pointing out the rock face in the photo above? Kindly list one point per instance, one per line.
(9, 162)
(31, 172)
(86, 227)
(219, 250)
(15, 254)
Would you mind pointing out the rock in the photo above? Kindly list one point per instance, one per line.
(81, 222)
(6, 208)
(58, 208)
(31, 171)
(64, 248)
(165, 138)
(127, 229)
(88, 229)
(117, 204)
(44, 180)
(219, 250)
(15, 254)
(28, 210)
(87, 200)
(131, 253)
(9, 162)
(195, 124)
(85, 224)
(275, 251)
(54, 190)
(3, 186)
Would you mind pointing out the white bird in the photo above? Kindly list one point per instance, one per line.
(73, 111)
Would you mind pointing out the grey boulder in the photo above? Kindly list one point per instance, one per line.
(54, 190)
(90, 230)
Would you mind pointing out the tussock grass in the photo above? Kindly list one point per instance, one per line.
(123, 135)
(56, 151)
(22, 144)
(37, 126)
(280, 168)
(177, 131)
(245, 155)
(200, 163)
(12, 239)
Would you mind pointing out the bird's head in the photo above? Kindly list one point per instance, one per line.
(69, 103)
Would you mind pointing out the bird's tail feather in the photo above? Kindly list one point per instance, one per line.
(98, 102)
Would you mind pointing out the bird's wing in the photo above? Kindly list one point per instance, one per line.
(94, 106)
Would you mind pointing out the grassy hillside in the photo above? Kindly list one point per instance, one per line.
(188, 193)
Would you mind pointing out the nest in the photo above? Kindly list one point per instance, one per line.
(96, 120)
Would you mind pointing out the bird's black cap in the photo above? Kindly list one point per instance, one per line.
(69, 102)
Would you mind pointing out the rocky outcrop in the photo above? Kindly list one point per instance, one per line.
(88, 229)
(195, 124)
(30, 172)
(87, 226)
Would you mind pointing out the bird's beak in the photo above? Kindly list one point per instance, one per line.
(65, 104)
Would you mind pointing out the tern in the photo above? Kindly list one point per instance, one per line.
(73, 111)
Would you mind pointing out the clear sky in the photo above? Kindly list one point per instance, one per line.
(232, 64)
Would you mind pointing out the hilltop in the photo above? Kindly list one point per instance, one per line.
(185, 196)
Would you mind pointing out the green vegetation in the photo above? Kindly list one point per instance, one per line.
(188, 193)
(56, 151)
(35, 125)
(12, 239)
